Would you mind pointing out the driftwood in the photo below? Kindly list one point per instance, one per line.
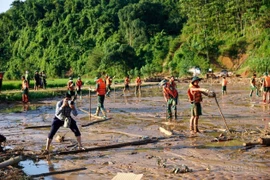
(11, 161)
(251, 143)
(58, 172)
(264, 141)
(119, 132)
(36, 127)
(260, 141)
(169, 133)
(84, 111)
(132, 143)
(94, 122)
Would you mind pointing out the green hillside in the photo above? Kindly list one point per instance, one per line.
(119, 37)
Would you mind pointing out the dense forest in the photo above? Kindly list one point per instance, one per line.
(119, 37)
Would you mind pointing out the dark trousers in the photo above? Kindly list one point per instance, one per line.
(57, 123)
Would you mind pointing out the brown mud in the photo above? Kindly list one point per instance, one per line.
(134, 118)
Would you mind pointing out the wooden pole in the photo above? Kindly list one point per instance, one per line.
(36, 127)
(11, 161)
(58, 172)
(222, 115)
(114, 90)
(133, 143)
(90, 103)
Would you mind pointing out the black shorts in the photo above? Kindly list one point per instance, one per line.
(266, 89)
(126, 87)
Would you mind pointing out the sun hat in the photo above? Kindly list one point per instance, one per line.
(195, 78)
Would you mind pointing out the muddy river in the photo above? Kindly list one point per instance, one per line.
(136, 118)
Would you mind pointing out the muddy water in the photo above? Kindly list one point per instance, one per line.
(134, 118)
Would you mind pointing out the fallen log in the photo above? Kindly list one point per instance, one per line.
(11, 161)
(251, 144)
(169, 133)
(84, 111)
(264, 141)
(119, 132)
(132, 143)
(58, 172)
(94, 122)
(260, 141)
(36, 127)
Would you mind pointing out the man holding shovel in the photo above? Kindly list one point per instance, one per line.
(170, 96)
(195, 98)
(63, 111)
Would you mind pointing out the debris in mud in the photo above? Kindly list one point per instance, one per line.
(221, 138)
(182, 169)
(60, 138)
(11, 173)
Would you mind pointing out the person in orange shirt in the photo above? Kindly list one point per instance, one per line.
(25, 90)
(266, 87)
(126, 83)
(138, 83)
(224, 85)
(101, 91)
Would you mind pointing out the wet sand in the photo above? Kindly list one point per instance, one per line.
(135, 118)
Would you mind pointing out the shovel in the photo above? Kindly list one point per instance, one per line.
(222, 115)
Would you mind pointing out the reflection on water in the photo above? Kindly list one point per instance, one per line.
(33, 168)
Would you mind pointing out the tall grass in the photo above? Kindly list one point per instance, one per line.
(11, 90)
(51, 83)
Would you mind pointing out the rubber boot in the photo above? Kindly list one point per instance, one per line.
(169, 116)
(97, 111)
(196, 129)
(104, 113)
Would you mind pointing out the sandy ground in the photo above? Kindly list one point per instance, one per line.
(134, 118)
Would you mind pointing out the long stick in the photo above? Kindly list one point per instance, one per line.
(114, 90)
(58, 172)
(90, 103)
(222, 116)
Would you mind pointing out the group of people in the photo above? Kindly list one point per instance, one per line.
(263, 86)
(40, 81)
(194, 93)
(66, 106)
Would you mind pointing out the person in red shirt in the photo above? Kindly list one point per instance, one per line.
(195, 99)
(170, 95)
(79, 84)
